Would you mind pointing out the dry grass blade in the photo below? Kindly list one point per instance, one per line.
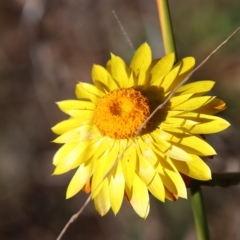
(123, 30)
(76, 215)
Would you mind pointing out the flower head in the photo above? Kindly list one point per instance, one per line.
(104, 121)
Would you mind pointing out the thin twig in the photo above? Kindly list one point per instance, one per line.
(220, 180)
(75, 216)
(123, 30)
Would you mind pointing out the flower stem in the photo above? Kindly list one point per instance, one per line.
(166, 27)
(198, 212)
(169, 46)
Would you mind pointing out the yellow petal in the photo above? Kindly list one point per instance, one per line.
(132, 81)
(79, 179)
(160, 143)
(116, 189)
(197, 88)
(170, 78)
(172, 179)
(179, 123)
(178, 153)
(210, 127)
(174, 113)
(201, 123)
(178, 182)
(96, 150)
(196, 168)
(99, 175)
(113, 157)
(141, 62)
(161, 69)
(69, 105)
(170, 196)
(140, 197)
(83, 133)
(141, 59)
(89, 91)
(195, 143)
(178, 100)
(171, 129)
(103, 167)
(62, 152)
(81, 93)
(193, 103)
(102, 78)
(91, 152)
(163, 147)
(212, 107)
(82, 115)
(167, 181)
(66, 126)
(156, 188)
(146, 151)
(129, 164)
(102, 200)
(206, 123)
(187, 65)
(70, 158)
(145, 170)
(118, 69)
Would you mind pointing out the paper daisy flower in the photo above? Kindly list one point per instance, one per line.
(104, 121)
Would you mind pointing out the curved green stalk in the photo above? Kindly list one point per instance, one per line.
(166, 27)
(169, 46)
(198, 212)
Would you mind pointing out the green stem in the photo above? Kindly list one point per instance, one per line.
(218, 179)
(166, 27)
(169, 46)
(199, 213)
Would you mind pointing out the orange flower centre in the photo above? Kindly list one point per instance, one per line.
(121, 112)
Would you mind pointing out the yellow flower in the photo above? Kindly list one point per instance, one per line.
(106, 117)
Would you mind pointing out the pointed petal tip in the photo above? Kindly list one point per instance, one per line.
(112, 55)
(184, 196)
(115, 212)
(227, 124)
(170, 55)
(70, 193)
(208, 175)
(144, 45)
(54, 173)
(54, 130)
(221, 106)
(68, 196)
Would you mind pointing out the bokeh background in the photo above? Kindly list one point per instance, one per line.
(46, 47)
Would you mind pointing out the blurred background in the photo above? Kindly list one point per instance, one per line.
(46, 47)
